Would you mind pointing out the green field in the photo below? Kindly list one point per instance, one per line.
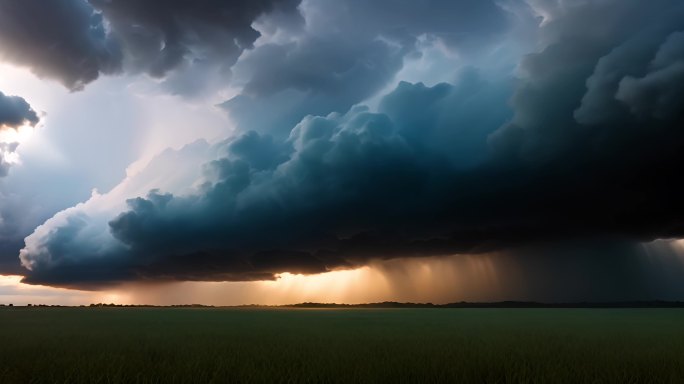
(184, 345)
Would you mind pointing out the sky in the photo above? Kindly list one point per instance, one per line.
(281, 151)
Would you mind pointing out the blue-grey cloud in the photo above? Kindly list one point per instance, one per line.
(587, 149)
(181, 35)
(349, 51)
(339, 190)
(64, 40)
(287, 83)
(75, 41)
(193, 45)
(15, 112)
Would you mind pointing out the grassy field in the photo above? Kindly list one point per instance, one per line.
(183, 345)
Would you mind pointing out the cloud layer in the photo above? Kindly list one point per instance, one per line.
(64, 40)
(583, 145)
(76, 41)
(349, 51)
(341, 189)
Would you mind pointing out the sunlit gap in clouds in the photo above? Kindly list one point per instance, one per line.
(434, 279)
(349, 286)
(15, 137)
(19, 135)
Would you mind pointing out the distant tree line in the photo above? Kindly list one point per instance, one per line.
(150, 305)
(394, 304)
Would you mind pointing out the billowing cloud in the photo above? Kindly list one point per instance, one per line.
(341, 189)
(191, 46)
(188, 36)
(63, 40)
(75, 41)
(587, 149)
(349, 51)
(595, 118)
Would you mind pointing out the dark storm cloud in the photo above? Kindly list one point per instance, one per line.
(341, 189)
(75, 41)
(312, 77)
(347, 53)
(61, 39)
(8, 256)
(463, 24)
(157, 37)
(598, 120)
(15, 112)
(592, 151)
(343, 54)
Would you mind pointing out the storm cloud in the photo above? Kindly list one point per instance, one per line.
(15, 112)
(76, 41)
(191, 37)
(334, 194)
(191, 46)
(63, 40)
(348, 52)
(584, 145)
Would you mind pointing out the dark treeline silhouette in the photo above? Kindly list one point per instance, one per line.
(499, 304)
(394, 304)
(151, 306)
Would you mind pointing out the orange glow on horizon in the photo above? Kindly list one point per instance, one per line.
(475, 278)
(437, 280)
(13, 291)
(335, 286)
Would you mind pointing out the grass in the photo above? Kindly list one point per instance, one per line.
(184, 345)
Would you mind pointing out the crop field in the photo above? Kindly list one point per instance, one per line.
(217, 345)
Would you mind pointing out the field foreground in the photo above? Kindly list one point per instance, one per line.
(185, 345)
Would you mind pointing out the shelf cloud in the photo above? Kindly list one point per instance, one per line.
(554, 125)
